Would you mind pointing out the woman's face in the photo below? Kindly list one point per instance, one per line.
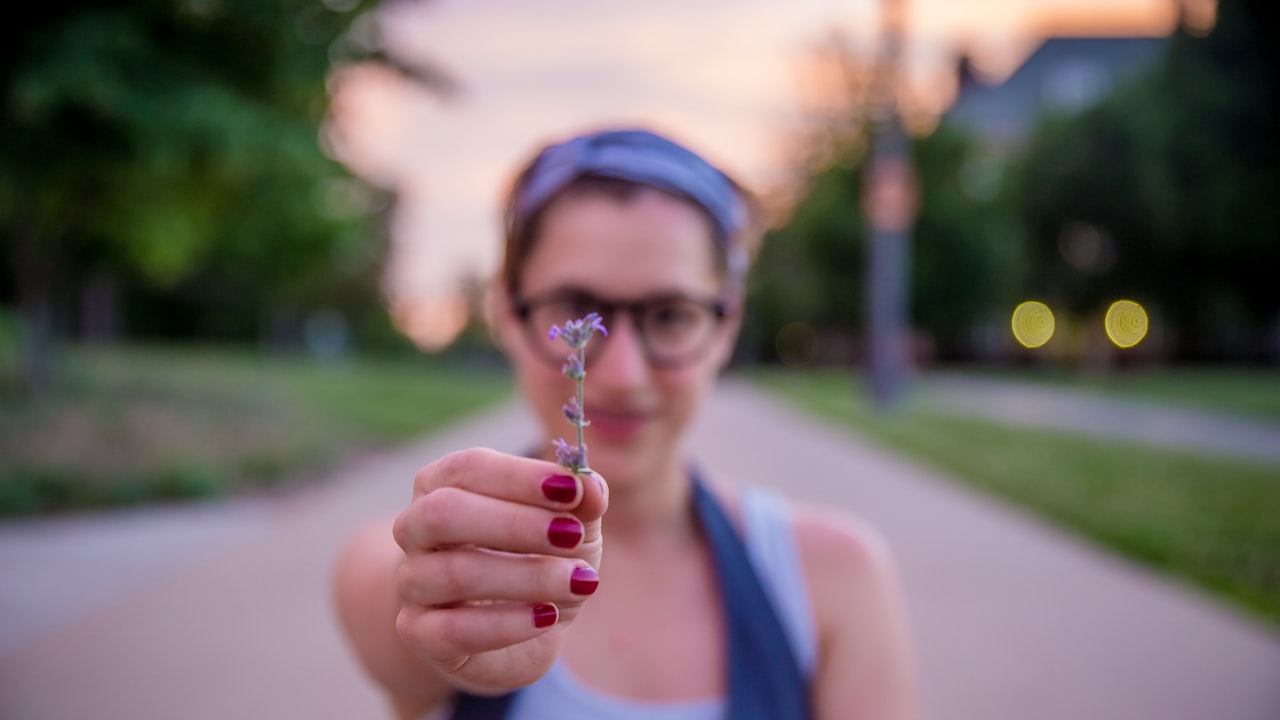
(650, 245)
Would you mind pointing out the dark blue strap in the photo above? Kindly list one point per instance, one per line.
(765, 681)
(477, 707)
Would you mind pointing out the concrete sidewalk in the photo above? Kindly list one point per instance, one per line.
(1012, 619)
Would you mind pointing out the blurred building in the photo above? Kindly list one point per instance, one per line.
(1064, 75)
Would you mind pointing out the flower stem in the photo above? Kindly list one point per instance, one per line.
(582, 448)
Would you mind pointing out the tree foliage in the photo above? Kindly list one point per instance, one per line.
(1176, 175)
(1165, 192)
(172, 146)
(965, 259)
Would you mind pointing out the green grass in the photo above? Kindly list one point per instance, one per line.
(1211, 521)
(1244, 391)
(131, 424)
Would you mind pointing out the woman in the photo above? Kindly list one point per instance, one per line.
(493, 578)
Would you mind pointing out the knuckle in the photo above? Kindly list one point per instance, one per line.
(426, 634)
(455, 576)
(437, 473)
(429, 516)
(450, 466)
(450, 634)
(422, 479)
(406, 582)
(453, 467)
(438, 507)
(409, 627)
(400, 531)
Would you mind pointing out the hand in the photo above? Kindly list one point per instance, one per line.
(500, 553)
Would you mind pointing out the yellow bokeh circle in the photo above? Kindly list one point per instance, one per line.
(1033, 323)
(1126, 323)
(797, 344)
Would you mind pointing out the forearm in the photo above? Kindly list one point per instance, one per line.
(367, 605)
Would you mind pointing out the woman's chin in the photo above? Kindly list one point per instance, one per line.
(622, 466)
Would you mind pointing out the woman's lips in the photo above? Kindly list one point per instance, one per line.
(616, 425)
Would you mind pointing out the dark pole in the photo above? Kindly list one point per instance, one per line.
(889, 189)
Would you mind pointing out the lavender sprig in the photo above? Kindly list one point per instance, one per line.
(576, 334)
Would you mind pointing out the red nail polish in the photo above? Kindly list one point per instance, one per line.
(565, 533)
(560, 488)
(583, 581)
(545, 615)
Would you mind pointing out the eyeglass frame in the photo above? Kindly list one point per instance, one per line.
(522, 308)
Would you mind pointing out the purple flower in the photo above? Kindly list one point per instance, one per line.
(573, 369)
(576, 333)
(573, 412)
(573, 458)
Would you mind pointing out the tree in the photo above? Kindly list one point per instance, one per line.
(966, 262)
(174, 144)
(1176, 174)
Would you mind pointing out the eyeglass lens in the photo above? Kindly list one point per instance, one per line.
(672, 329)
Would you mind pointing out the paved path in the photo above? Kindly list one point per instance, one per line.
(1023, 403)
(1012, 619)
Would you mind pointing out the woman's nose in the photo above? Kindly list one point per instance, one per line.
(622, 359)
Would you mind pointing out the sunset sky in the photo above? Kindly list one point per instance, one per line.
(725, 76)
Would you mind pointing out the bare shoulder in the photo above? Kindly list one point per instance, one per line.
(866, 666)
(840, 550)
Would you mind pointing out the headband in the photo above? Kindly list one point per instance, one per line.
(641, 157)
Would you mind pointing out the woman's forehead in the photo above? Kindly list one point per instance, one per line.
(646, 243)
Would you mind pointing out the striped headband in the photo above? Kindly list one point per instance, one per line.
(641, 157)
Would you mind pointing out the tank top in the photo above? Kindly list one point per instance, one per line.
(771, 549)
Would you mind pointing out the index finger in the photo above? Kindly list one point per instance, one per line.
(524, 480)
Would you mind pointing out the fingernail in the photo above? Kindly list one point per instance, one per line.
(565, 533)
(560, 488)
(583, 581)
(545, 615)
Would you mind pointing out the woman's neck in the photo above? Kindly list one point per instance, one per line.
(652, 508)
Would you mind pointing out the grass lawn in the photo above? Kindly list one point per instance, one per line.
(136, 424)
(1245, 391)
(1211, 521)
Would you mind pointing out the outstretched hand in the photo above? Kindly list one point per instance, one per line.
(500, 553)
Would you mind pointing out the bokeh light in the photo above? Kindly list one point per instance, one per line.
(1033, 323)
(1126, 323)
(431, 322)
(797, 344)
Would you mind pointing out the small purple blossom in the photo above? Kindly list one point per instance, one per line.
(573, 368)
(576, 334)
(574, 458)
(573, 413)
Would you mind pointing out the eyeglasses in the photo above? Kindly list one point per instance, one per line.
(674, 329)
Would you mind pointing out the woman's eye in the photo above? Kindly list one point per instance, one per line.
(672, 317)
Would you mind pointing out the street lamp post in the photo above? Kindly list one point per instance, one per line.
(890, 203)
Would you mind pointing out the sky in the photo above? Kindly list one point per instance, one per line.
(729, 78)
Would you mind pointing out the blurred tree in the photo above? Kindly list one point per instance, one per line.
(172, 145)
(1167, 191)
(966, 259)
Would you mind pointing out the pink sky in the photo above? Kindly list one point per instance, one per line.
(724, 76)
